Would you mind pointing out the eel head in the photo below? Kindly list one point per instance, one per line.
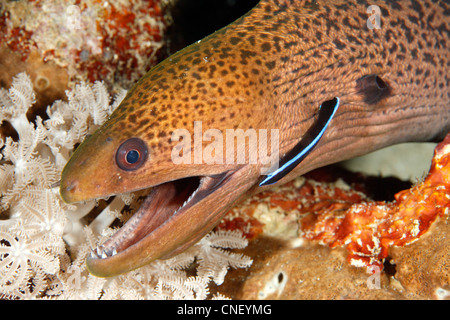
(150, 142)
(183, 204)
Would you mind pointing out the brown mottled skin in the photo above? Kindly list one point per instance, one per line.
(271, 69)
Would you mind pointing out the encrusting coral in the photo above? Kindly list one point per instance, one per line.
(113, 41)
(59, 43)
(335, 214)
(318, 227)
(44, 242)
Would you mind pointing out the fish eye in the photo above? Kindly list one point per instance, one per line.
(131, 154)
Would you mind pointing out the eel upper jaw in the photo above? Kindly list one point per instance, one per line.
(173, 217)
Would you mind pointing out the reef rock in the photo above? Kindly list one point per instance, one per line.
(87, 40)
(322, 237)
(423, 267)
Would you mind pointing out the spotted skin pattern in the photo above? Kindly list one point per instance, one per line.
(272, 69)
(292, 58)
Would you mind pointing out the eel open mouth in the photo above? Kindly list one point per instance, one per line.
(162, 227)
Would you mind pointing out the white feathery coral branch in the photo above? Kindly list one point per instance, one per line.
(21, 94)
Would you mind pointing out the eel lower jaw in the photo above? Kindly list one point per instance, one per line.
(171, 219)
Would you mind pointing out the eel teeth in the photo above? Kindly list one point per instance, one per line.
(93, 255)
(190, 197)
(101, 253)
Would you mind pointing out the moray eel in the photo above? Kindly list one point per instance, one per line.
(270, 70)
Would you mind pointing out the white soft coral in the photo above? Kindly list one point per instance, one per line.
(37, 220)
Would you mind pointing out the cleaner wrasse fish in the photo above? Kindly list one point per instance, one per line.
(381, 71)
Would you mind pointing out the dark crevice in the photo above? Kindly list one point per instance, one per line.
(196, 19)
(389, 267)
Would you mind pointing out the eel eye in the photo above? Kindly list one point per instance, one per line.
(131, 154)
